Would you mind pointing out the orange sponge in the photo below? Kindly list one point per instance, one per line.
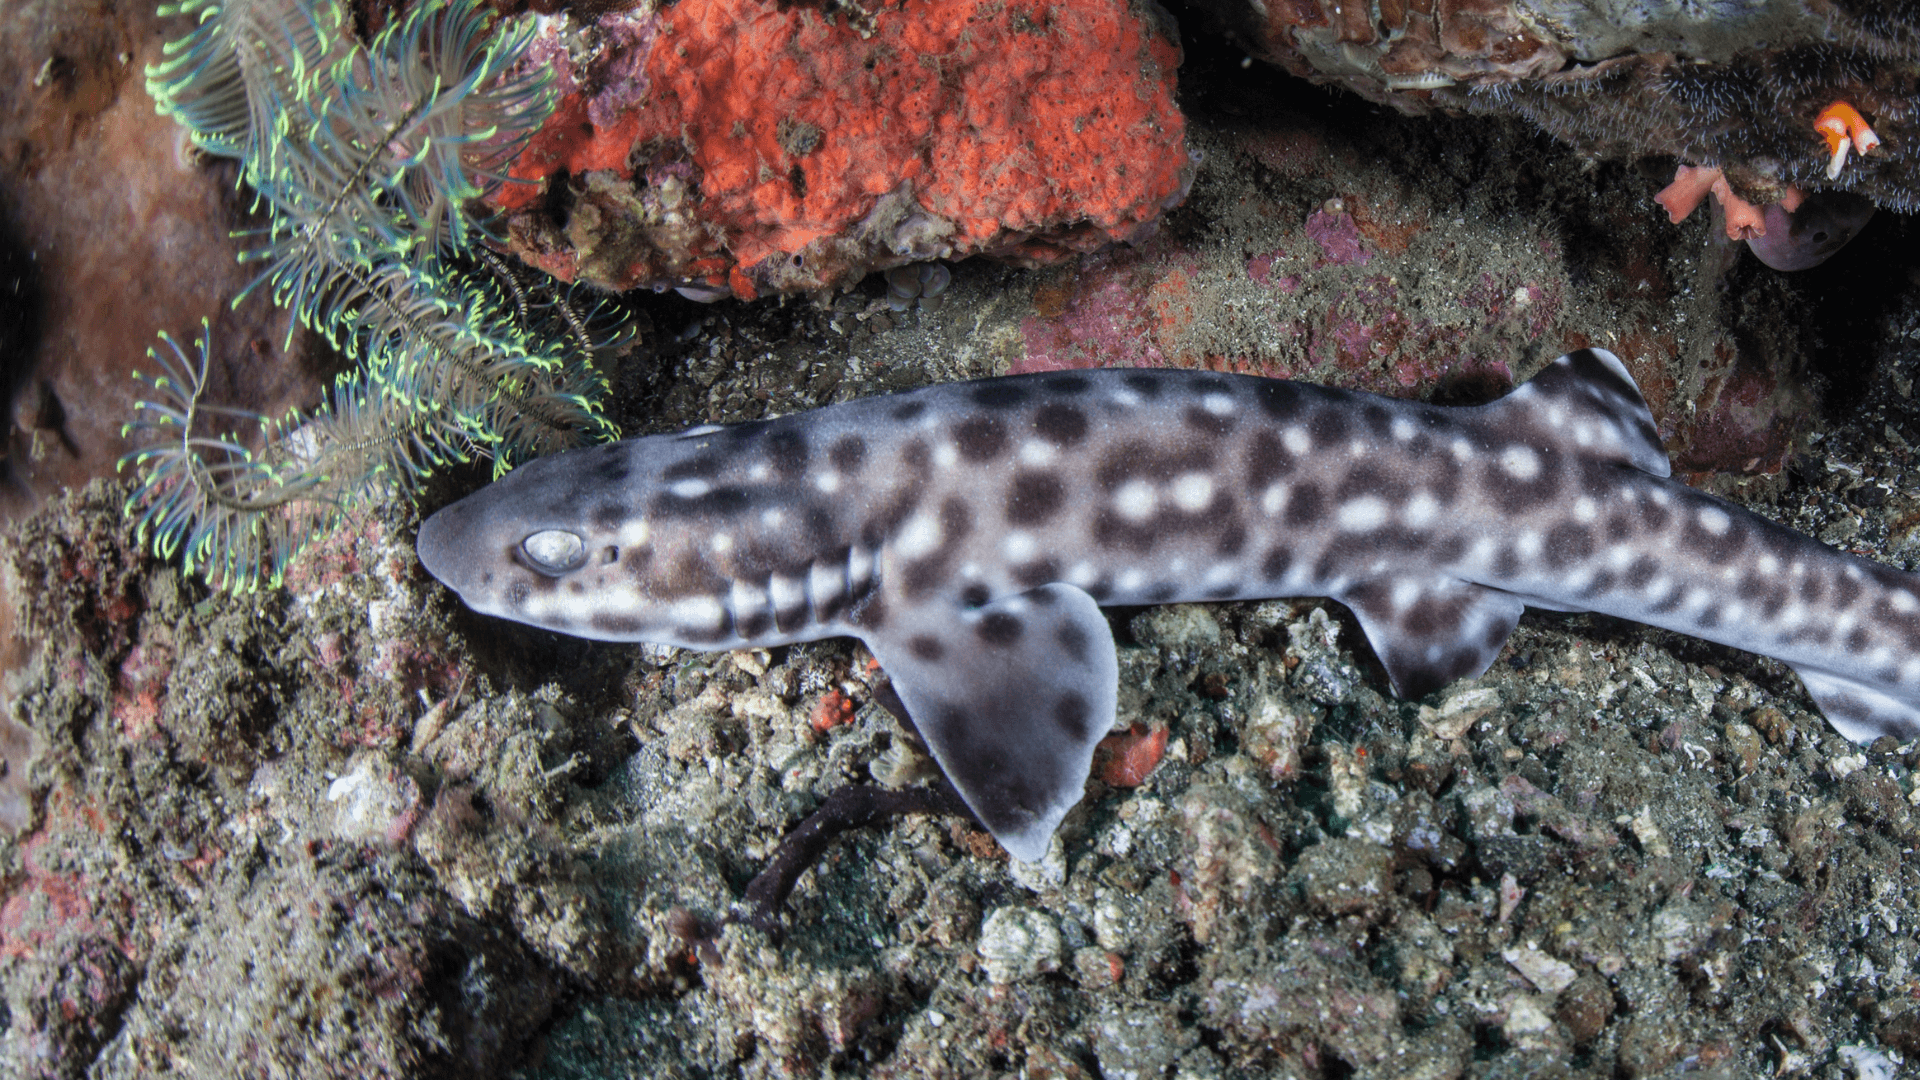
(811, 148)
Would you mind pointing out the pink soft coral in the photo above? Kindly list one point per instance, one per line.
(1693, 183)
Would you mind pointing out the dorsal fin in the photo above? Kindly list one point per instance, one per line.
(1589, 401)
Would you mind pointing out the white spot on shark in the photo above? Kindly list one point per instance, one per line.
(1037, 453)
(1520, 462)
(825, 581)
(1402, 429)
(1364, 514)
(787, 593)
(1274, 499)
(761, 471)
(1083, 574)
(1528, 545)
(1902, 601)
(1481, 554)
(1018, 546)
(747, 600)
(701, 613)
(1134, 500)
(1295, 440)
(1131, 580)
(1585, 509)
(918, 538)
(1217, 404)
(1715, 520)
(690, 489)
(827, 482)
(860, 566)
(773, 519)
(1421, 510)
(1462, 450)
(1192, 492)
(722, 543)
(946, 455)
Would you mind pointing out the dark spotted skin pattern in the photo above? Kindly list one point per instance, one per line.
(899, 519)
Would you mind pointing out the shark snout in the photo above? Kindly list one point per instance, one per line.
(444, 546)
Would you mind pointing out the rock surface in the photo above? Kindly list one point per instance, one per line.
(1732, 85)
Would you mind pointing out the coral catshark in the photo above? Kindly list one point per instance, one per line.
(968, 534)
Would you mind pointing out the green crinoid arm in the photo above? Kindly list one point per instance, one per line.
(364, 156)
(231, 513)
(238, 510)
(382, 149)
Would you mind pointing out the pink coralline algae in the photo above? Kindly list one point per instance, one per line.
(1338, 236)
(753, 147)
(1104, 324)
(67, 931)
(1260, 269)
(1326, 320)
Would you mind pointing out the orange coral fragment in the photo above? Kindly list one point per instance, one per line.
(1693, 183)
(1745, 221)
(1127, 760)
(1843, 127)
(834, 709)
(1688, 190)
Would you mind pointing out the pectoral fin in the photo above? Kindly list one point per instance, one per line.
(1011, 698)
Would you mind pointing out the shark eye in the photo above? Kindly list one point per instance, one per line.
(553, 551)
